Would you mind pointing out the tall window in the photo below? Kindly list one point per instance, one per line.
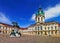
(41, 19)
(0, 27)
(41, 27)
(0, 32)
(4, 28)
(51, 28)
(48, 28)
(55, 27)
(45, 28)
(38, 28)
(49, 32)
(52, 32)
(7, 28)
(55, 32)
(38, 19)
(35, 28)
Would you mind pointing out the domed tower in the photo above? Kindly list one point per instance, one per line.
(40, 16)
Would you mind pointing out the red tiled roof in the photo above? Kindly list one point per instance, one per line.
(58, 24)
(23, 28)
(6, 24)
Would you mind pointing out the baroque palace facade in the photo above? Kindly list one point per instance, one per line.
(5, 28)
(39, 28)
(43, 28)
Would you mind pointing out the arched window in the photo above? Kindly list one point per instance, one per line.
(55, 27)
(38, 19)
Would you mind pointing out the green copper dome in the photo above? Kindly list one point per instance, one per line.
(40, 12)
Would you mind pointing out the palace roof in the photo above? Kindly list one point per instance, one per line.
(6, 24)
(40, 12)
(23, 28)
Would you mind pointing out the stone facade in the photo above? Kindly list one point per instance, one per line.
(5, 28)
(43, 28)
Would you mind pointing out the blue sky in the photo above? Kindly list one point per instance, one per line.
(23, 11)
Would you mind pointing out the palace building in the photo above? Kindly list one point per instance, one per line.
(5, 28)
(43, 28)
(39, 28)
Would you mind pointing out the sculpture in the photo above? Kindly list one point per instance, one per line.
(15, 32)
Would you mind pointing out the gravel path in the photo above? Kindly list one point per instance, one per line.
(29, 39)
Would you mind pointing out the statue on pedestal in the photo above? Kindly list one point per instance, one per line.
(15, 32)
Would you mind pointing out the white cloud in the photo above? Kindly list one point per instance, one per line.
(33, 17)
(4, 19)
(50, 12)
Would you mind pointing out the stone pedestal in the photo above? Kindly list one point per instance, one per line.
(15, 34)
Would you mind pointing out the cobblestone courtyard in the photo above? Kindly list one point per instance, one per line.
(29, 39)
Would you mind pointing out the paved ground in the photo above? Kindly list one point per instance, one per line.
(29, 39)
